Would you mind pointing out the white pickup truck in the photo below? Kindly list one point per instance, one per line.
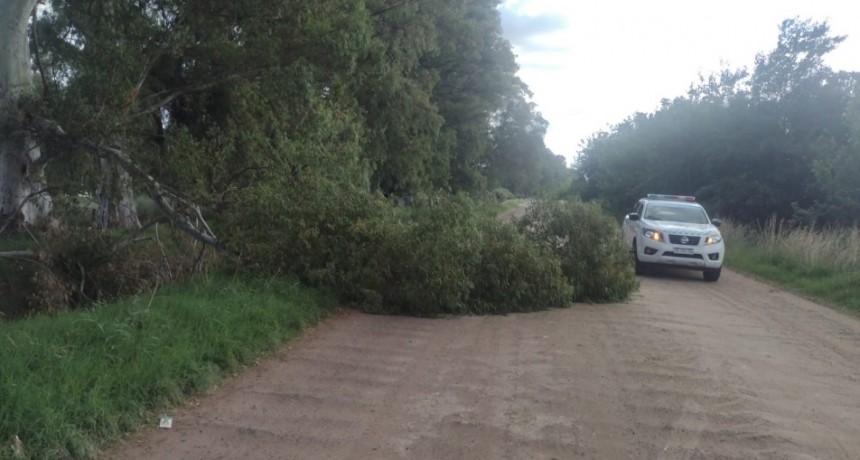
(676, 231)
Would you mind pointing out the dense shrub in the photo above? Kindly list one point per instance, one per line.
(502, 194)
(310, 230)
(452, 259)
(76, 270)
(444, 257)
(515, 275)
(588, 242)
(429, 261)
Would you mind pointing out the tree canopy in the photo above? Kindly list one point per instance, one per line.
(211, 116)
(779, 141)
(397, 96)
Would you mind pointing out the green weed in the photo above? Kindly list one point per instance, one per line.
(71, 381)
(822, 263)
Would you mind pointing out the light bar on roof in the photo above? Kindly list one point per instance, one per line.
(656, 196)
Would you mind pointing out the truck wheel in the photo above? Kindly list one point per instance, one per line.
(640, 267)
(712, 274)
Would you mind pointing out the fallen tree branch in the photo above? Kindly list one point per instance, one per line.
(137, 237)
(158, 195)
(11, 218)
(28, 256)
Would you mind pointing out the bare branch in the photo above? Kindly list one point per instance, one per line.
(391, 7)
(14, 215)
(158, 194)
(137, 237)
(164, 257)
(28, 256)
(42, 129)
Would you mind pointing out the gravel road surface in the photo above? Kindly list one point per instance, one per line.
(685, 370)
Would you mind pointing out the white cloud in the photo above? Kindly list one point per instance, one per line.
(590, 64)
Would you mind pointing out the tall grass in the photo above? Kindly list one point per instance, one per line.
(820, 262)
(71, 381)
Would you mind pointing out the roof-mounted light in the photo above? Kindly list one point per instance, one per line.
(656, 196)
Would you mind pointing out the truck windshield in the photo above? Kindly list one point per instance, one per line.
(670, 213)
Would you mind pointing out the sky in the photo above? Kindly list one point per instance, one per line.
(592, 63)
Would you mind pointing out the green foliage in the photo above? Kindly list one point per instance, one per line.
(306, 229)
(749, 146)
(429, 263)
(822, 263)
(280, 122)
(589, 245)
(77, 271)
(452, 259)
(836, 167)
(518, 159)
(69, 382)
(443, 257)
(515, 275)
(477, 75)
(501, 194)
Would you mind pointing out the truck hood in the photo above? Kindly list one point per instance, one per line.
(681, 228)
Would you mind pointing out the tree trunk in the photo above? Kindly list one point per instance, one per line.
(22, 195)
(115, 196)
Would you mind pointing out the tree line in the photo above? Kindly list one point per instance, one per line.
(190, 101)
(781, 139)
(146, 141)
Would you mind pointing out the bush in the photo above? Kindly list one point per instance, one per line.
(311, 230)
(453, 259)
(79, 269)
(428, 262)
(445, 257)
(502, 194)
(515, 275)
(588, 242)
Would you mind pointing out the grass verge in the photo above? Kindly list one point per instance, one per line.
(822, 264)
(70, 382)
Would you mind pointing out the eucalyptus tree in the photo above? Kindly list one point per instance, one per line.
(189, 98)
(23, 197)
(477, 76)
(518, 158)
(394, 92)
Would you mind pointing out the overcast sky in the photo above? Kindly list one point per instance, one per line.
(592, 63)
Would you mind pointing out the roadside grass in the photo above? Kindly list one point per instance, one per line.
(70, 382)
(823, 264)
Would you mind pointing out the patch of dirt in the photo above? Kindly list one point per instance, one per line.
(515, 213)
(687, 369)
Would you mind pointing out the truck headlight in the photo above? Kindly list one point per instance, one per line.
(652, 234)
(713, 239)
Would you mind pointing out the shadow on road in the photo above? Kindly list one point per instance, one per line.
(671, 273)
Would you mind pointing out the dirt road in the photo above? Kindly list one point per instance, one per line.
(686, 370)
